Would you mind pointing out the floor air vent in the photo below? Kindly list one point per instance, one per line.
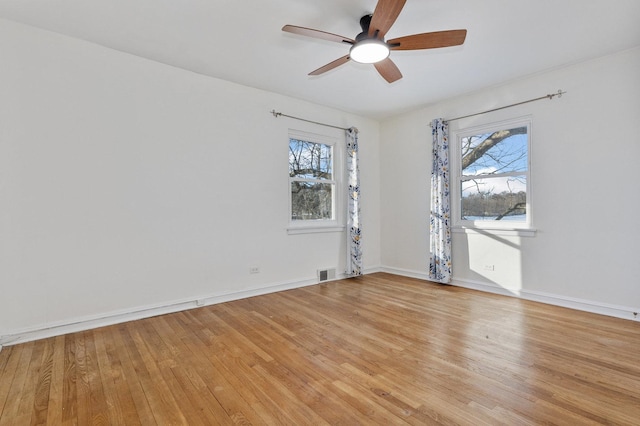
(326, 274)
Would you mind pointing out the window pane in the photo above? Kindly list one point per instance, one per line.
(311, 201)
(503, 151)
(310, 160)
(495, 198)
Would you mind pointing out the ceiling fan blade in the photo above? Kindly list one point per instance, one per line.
(331, 65)
(388, 70)
(310, 32)
(384, 16)
(428, 40)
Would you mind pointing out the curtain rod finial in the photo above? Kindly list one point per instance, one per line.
(276, 114)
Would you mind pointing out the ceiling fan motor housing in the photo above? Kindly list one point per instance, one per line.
(365, 22)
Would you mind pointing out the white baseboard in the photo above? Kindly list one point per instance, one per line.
(372, 270)
(624, 312)
(86, 323)
(111, 318)
(405, 273)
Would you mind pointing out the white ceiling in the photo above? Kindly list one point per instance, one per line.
(242, 41)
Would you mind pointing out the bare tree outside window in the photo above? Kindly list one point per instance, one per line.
(494, 175)
(312, 180)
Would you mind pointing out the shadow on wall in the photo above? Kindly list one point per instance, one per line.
(488, 259)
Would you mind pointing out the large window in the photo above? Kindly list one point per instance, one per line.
(312, 180)
(493, 176)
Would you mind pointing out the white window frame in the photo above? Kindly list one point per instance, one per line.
(320, 225)
(490, 226)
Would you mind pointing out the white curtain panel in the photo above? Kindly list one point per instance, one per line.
(354, 248)
(440, 218)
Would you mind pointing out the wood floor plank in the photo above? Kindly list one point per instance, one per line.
(378, 349)
(54, 405)
(209, 370)
(32, 381)
(69, 390)
(12, 380)
(83, 391)
(198, 406)
(44, 379)
(117, 403)
(4, 360)
(126, 377)
(10, 359)
(163, 405)
(100, 400)
(169, 357)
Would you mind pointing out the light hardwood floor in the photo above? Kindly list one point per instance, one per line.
(379, 349)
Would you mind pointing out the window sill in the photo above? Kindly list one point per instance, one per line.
(295, 230)
(511, 232)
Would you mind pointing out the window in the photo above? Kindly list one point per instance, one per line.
(312, 181)
(493, 176)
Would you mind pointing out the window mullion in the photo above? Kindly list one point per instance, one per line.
(310, 180)
(490, 175)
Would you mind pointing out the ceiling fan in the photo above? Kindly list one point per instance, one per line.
(369, 46)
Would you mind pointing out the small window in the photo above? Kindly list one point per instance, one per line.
(493, 176)
(312, 181)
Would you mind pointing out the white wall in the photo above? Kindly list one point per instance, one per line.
(585, 192)
(120, 187)
(127, 184)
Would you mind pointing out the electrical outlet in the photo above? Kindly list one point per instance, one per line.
(254, 270)
(489, 267)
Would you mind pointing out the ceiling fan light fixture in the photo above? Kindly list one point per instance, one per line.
(369, 46)
(369, 51)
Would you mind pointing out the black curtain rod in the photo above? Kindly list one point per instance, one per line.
(279, 114)
(549, 96)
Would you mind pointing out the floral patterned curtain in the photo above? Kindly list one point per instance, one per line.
(440, 221)
(354, 251)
